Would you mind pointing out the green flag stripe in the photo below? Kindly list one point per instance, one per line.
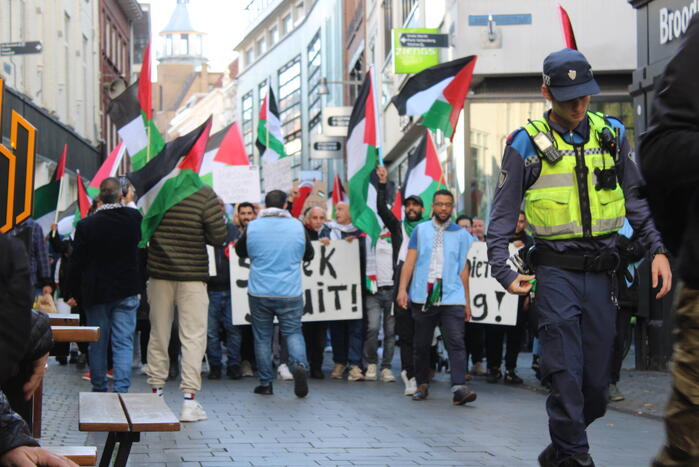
(363, 217)
(172, 192)
(274, 144)
(156, 143)
(46, 198)
(438, 118)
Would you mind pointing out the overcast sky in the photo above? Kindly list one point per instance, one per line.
(222, 20)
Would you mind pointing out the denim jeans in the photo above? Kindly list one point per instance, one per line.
(288, 311)
(117, 322)
(346, 338)
(221, 317)
(380, 305)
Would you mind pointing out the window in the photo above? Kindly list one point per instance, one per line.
(313, 78)
(261, 46)
(168, 45)
(356, 75)
(287, 24)
(246, 106)
(261, 92)
(407, 9)
(290, 110)
(249, 56)
(273, 35)
(387, 26)
(299, 13)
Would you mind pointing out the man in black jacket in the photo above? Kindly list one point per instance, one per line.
(669, 155)
(105, 278)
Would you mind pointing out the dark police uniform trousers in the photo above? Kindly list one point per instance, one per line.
(576, 331)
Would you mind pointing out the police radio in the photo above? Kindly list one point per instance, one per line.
(544, 144)
(608, 141)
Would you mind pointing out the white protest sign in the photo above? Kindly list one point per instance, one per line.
(278, 175)
(237, 183)
(332, 287)
(490, 302)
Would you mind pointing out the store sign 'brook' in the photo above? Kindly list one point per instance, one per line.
(331, 284)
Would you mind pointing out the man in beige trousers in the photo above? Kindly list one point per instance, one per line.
(178, 269)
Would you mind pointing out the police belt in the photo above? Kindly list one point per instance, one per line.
(601, 262)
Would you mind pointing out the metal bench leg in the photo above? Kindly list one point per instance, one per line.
(125, 442)
(108, 450)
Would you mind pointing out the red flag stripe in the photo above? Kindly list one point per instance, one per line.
(145, 88)
(567, 26)
(232, 150)
(433, 168)
(305, 190)
(456, 92)
(195, 156)
(397, 207)
(370, 116)
(83, 200)
(61, 166)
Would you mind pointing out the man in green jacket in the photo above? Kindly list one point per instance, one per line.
(178, 268)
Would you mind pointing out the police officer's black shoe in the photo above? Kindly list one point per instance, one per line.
(264, 390)
(578, 460)
(512, 378)
(494, 375)
(547, 458)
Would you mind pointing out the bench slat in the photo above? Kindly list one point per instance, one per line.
(81, 455)
(101, 411)
(64, 319)
(148, 412)
(75, 333)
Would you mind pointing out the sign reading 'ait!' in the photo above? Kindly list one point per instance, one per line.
(16, 169)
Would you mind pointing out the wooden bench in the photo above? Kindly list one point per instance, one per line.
(64, 319)
(124, 417)
(75, 333)
(81, 455)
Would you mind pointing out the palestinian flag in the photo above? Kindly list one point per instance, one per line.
(438, 94)
(338, 196)
(46, 197)
(362, 159)
(108, 169)
(225, 147)
(270, 141)
(132, 113)
(424, 175)
(84, 201)
(169, 178)
(567, 27)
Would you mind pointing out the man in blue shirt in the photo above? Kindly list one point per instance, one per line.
(437, 272)
(276, 244)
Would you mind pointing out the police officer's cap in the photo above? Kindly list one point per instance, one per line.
(568, 75)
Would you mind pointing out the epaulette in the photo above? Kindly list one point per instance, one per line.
(512, 135)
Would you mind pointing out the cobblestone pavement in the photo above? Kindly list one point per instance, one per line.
(342, 423)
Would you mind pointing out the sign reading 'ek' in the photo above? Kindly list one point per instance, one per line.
(331, 284)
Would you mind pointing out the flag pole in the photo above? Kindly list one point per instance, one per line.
(148, 147)
(269, 90)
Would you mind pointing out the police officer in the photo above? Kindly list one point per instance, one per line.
(574, 170)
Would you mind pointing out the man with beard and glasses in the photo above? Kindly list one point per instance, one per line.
(400, 233)
(438, 274)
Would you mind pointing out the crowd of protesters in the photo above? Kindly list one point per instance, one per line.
(161, 308)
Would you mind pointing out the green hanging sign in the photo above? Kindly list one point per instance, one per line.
(415, 49)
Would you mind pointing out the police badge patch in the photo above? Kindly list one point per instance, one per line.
(572, 74)
(502, 179)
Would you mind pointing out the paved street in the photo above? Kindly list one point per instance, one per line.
(341, 423)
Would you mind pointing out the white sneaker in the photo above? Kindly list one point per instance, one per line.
(246, 369)
(412, 386)
(406, 381)
(192, 411)
(283, 373)
(387, 376)
(370, 374)
(144, 369)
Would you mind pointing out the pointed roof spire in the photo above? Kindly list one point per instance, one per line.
(179, 21)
